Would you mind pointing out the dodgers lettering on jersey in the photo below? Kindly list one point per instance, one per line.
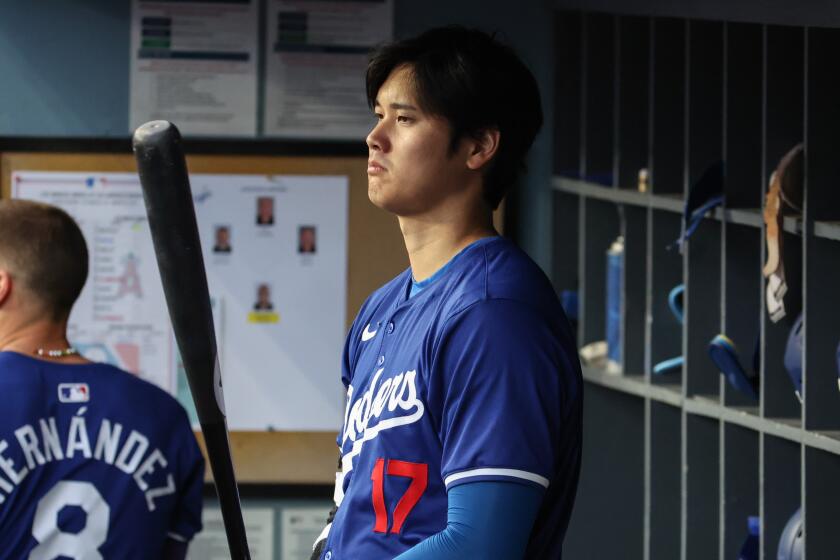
(475, 378)
(94, 463)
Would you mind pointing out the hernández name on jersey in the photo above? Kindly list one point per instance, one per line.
(41, 442)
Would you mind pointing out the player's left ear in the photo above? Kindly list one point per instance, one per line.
(485, 144)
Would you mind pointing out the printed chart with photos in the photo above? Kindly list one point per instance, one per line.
(275, 250)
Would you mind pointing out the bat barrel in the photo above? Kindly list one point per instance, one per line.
(169, 205)
(166, 190)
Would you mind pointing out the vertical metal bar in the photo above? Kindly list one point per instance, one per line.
(723, 326)
(649, 293)
(687, 308)
(762, 537)
(581, 269)
(649, 298)
(647, 482)
(616, 103)
(649, 231)
(584, 73)
(806, 231)
(582, 174)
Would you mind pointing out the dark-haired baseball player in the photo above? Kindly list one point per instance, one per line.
(462, 430)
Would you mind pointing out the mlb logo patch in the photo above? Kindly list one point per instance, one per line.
(73, 392)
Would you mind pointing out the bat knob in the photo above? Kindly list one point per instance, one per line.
(154, 133)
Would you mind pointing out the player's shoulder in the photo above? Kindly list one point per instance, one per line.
(498, 270)
(108, 386)
(132, 382)
(140, 403)
(144, 394)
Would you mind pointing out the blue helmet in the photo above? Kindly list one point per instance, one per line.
(793, 356)
(792, 541)
(838, 367)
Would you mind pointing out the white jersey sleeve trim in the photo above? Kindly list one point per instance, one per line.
(324, 534)
(177, 537)
(513, 473)
(338, 491)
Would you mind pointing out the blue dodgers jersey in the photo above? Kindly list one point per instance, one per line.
(475, 378)
(94, 463)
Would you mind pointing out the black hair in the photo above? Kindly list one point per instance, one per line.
(475, 82)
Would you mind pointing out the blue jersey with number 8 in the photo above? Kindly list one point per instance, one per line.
(94, 463)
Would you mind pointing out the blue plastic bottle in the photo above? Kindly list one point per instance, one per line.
(749, 551)
(615, 272)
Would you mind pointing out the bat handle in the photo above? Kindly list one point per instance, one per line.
(228, 493)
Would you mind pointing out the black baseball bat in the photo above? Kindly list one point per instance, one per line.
(169, 205)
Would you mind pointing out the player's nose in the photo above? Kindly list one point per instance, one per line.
(377, 139)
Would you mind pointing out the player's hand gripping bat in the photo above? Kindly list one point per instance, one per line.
(169, 205)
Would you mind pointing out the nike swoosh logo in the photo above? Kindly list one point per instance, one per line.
(367, 334)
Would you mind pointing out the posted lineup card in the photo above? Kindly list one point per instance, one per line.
(195, 64)
(316, 55)
(275, 250)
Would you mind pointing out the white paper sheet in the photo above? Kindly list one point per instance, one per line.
(281, 362)
(316, 56)
(211, 542)
(195, 64)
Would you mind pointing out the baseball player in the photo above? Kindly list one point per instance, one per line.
(94, 462)
(462, 429)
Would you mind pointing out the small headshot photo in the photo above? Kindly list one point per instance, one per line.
(221, 243)
(265, 210)
(263, 302)
(306, 239)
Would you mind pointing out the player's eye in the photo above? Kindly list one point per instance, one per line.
(404, 119)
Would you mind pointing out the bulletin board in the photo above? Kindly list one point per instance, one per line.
(375, 253)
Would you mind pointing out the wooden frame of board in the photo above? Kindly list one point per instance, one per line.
(375, 255)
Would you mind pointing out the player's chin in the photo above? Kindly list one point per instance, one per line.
(378, 193)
